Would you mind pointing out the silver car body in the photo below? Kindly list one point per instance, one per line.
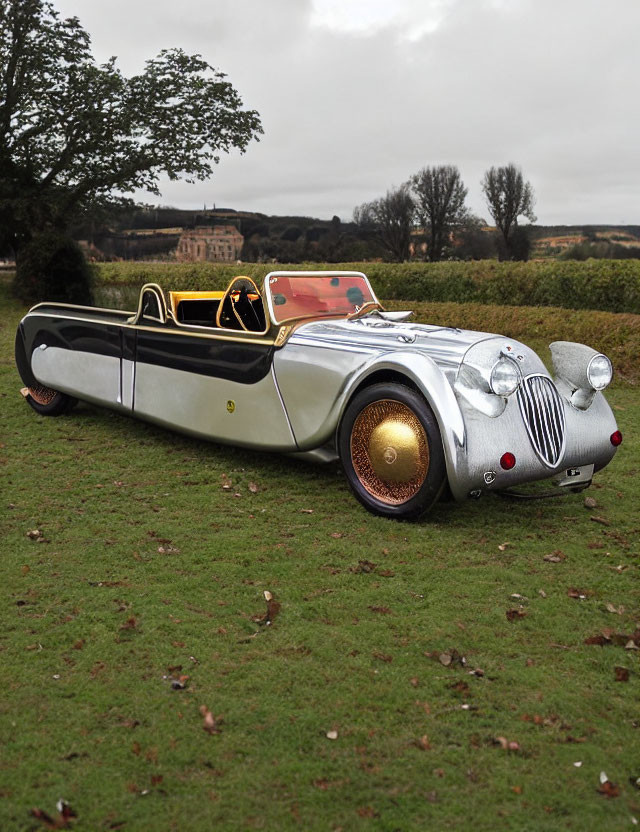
(316, 367)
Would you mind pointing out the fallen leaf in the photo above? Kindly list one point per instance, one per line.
(503, 546)
(273, 608)
(621, 674)
(332, 735)
(556, 556)
(516, 789)
(130, 624)
(65, 816)
(367, 812)
(26, 569)
(542, 593)
(602, 520)
(616, 610)
(414, 681)
(578, 594)
(381, 610)
(168, 550)
(365, 566)
(607, 788)
(383, 657)
(209, 723)
(385, 573)
(337, 535)
(448, 658)
(306, 511)
(514, 615)
(253, 488)
(227, 484)
(423, 743)
(590, 502)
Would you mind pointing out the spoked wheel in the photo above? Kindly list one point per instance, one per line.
(48, 402)
(391, 451)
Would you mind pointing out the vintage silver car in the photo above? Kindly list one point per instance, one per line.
(311, 364)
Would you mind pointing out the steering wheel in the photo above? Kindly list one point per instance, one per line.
(237, 303)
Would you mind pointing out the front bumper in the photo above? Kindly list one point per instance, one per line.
(476, 469)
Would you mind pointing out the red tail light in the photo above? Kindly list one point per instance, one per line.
(508, 460)
(616, 438)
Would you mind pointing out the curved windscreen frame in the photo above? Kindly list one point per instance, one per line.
(294, 296)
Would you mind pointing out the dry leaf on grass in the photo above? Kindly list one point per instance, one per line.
(621, 674)
(578, 594)
(210, 724)
(590, 502)
(226, 483)
(365, 566)
(506, 745)
(557, 556)
(332, 735)
(273, 608)
(423, 743)
(65, 816)
(615, 610)
(602, 520)
(381, 610)
(607, 788)
(514, 615)
(253, 488)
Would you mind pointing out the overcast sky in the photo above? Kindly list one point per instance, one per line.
(356, 95)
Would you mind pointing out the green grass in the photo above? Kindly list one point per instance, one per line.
(107, 492)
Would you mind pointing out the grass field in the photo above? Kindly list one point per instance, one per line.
(148, 568)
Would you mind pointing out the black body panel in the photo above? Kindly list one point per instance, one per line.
(166, 346)
(246, 363)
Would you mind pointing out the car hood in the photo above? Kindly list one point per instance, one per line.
(445, 345)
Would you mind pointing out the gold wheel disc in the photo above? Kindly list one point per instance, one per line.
(42, 395)
(390, 451)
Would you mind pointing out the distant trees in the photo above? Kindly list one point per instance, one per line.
(508, 197)
(439, 205)
(391, 217)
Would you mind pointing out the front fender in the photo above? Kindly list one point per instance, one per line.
(433, 384)
(317, 393)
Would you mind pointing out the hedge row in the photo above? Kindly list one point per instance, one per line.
(616, 335)
(608, 285)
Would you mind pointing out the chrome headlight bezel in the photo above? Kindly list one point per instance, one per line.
(599, 364)
(505, 377)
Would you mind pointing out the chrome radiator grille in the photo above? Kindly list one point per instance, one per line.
(543, 415)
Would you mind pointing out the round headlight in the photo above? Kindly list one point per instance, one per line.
(599, 372)
(505, 377)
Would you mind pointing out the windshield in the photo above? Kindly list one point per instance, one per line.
(317, 296)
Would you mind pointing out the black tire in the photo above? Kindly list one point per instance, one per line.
(43, 400)
(392, 425)
(48, 402)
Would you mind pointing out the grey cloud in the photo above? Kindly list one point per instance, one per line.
(347, 114)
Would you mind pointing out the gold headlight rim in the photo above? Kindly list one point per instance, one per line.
(406, 451)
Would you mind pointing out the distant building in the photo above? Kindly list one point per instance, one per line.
(218, 244)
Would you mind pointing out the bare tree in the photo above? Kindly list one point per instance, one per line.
(508, 197)
(391, 219)
(440, 194)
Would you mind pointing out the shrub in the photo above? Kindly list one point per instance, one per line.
(52, 267)
(609, 285)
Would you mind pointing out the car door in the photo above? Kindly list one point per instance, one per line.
(212, 382)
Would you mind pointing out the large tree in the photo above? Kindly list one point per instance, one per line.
(75, 134)
(440, 194)
(508, 197)
(390, 218)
